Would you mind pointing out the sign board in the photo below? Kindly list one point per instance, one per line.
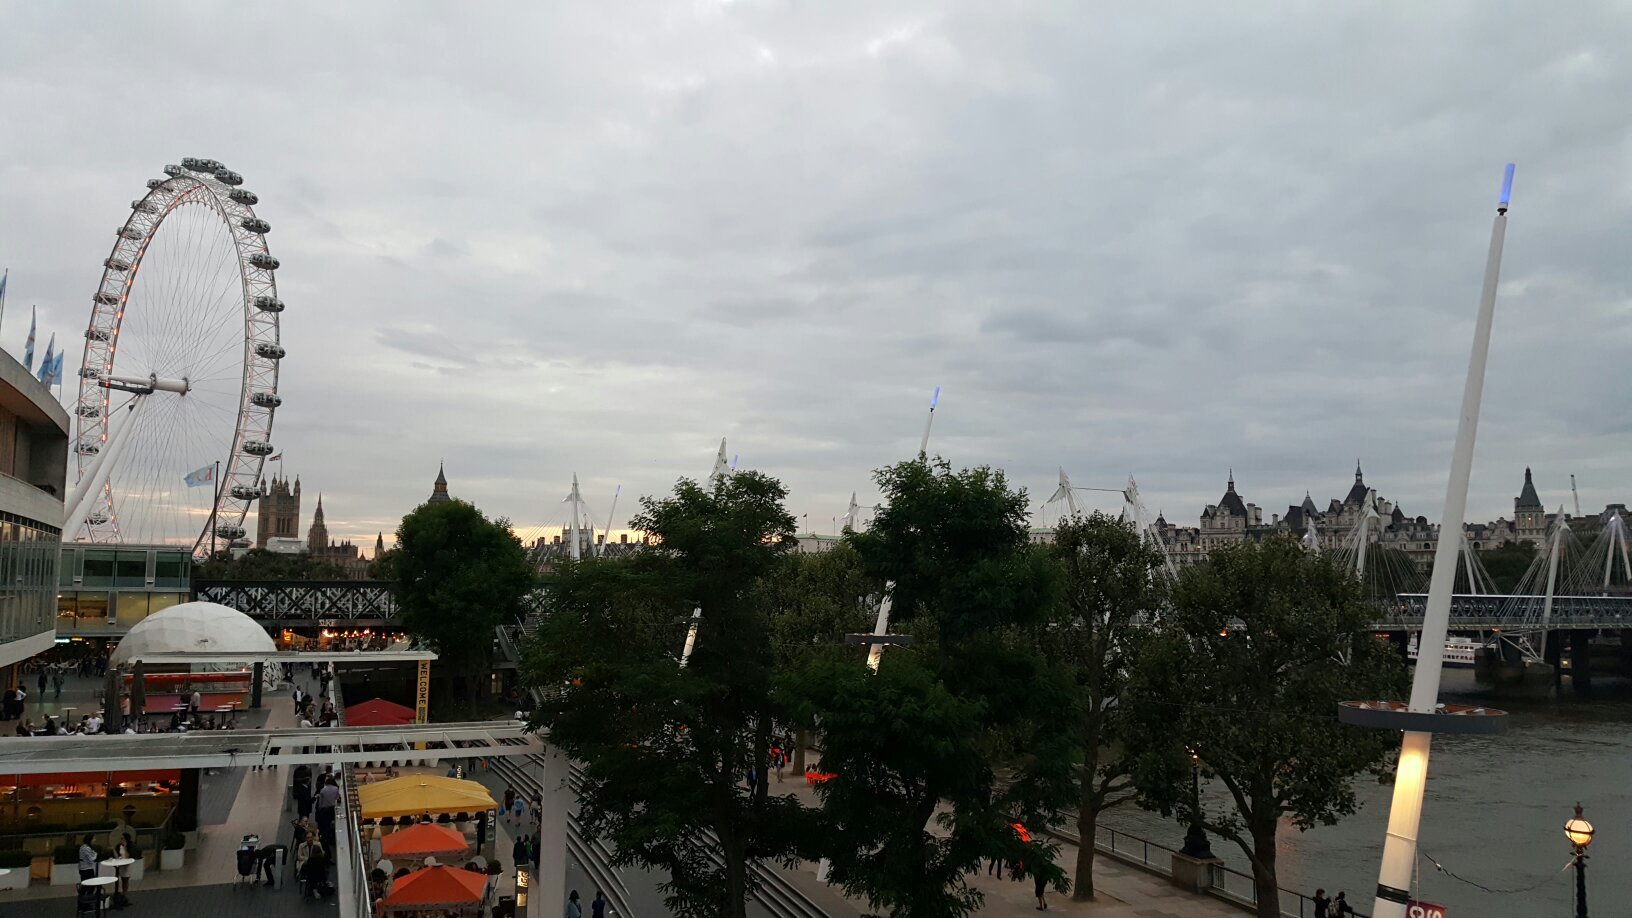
(422, 693)
(1415, 909)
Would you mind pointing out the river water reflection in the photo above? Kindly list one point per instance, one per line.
(1494, 813)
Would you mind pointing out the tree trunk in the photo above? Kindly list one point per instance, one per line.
(736, 876)
(1263, 871)
(1087, 827)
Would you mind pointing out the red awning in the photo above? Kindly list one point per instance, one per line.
(60, 778)
(424, 840)
(377, 712)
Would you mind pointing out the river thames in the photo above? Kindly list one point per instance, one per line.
(1494, 813)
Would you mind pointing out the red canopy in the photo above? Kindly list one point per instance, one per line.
(377, 712)
(424, 840)
(436, 887)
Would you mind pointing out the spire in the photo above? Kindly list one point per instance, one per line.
(379, 545)
(1527, 499)
(1357, 494)
(1231, 502)
(317, 515)
(1358, 476)
(439, 490)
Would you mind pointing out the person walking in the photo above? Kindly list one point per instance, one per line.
(1340, 906)
(520, 810)
(328, 800)
(1040, 886)
(87, 859)
(42, 681)
(1322, 904)
(57, 679)
(509, 801)
(481, 831)
(597, 908)
(518, 851)
(574, 910)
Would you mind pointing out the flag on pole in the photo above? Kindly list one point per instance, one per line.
(3, 278)
(50, 356)
(277, 458)
(28, 346)
(56, 370)
(202, 477)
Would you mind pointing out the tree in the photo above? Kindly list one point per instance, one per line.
(458, 575)
(1244, 673)
(814, 600)
(1110, 584)
(962, 723)
(667, 748)
(1508, 563)
(260, 564)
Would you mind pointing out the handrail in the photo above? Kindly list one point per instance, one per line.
(1122, 847)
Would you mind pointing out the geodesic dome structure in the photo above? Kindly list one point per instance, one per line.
(194, 627)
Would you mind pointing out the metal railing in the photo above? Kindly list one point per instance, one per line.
(1223, 883)
(592, 856)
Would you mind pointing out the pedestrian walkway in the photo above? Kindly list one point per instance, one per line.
(1122, 891)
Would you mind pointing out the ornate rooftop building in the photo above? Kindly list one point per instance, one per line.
(439, 490)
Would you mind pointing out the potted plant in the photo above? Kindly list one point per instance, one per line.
(174, 853)
(65, 865)
(17, 861)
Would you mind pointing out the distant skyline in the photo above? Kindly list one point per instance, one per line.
(1169, 240)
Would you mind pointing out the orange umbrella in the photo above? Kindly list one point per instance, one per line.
(436, 887)
(424, 840)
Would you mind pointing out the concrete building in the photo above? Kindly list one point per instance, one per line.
(33, 480)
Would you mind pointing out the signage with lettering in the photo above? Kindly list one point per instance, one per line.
(422, 693)
(1415, 909)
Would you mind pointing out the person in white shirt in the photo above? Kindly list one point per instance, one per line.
(198, 701)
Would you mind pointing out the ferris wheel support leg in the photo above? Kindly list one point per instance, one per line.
(89, 489)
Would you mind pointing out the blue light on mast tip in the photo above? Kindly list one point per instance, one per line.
(1507, 186)
(933, 399)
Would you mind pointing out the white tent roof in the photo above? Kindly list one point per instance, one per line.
(194, 627)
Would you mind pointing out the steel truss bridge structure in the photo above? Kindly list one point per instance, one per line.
(1495, 612)
(305, 602)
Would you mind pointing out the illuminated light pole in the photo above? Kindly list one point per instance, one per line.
(1579, 832)
(1423, 717)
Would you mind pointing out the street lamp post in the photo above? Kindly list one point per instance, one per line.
(1195, 838)
(1579, 832)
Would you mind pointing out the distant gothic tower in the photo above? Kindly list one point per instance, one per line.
(439, 491)
(317, 539)
(277, 515)
(1529, 516)
(379, 545)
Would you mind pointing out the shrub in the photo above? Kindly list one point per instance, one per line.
(15, 858)
(175, 841)
(65, 854)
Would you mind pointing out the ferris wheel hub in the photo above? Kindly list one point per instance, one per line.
(146, 385)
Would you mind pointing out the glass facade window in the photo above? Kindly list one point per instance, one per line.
(130, 569)
(98, 570)
(28, 576)
(172, 569)
(133, 607)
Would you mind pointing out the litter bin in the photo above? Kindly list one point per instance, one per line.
(505, 907)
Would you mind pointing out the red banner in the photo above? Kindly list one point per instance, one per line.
(1415, 909)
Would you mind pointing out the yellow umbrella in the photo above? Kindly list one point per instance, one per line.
(414, 795)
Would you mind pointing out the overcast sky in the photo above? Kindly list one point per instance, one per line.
(534, 239)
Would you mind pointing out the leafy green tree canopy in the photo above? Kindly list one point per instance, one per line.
(260, 564)
(667, 749)
(458, 576)
(1245, 671)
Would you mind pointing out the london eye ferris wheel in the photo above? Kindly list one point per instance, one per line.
(179, 382)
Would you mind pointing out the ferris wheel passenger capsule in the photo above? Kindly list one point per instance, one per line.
(270, 351)
(89, 411)
(229, 177)
(173, 170)
(116, 264)
(228, 531)
(130, 232)
(268, 304)
(154, 182)
(96, 334)
(144, 206)
(87, 449)
(264, 261)
(195, 164)
(257, 447)
(266, 399)
(107, 299)
(243, 196)
(256, 225)
(97, 519)
(89, 373)
(243, 492)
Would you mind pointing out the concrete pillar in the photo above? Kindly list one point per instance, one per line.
(548, 895)
(1581, 658)
(1554, 655)
(255, 685)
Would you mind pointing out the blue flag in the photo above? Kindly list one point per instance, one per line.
(28, 346)
(45, 364)
(56, 370)
(202, 477)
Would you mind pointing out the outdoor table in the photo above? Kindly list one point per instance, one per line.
(100, 884)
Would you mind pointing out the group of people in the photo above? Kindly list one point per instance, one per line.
(320, 799)
(308, 713)
(91, 724)
(597, 908)
(124, 848)
(1331, 908)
